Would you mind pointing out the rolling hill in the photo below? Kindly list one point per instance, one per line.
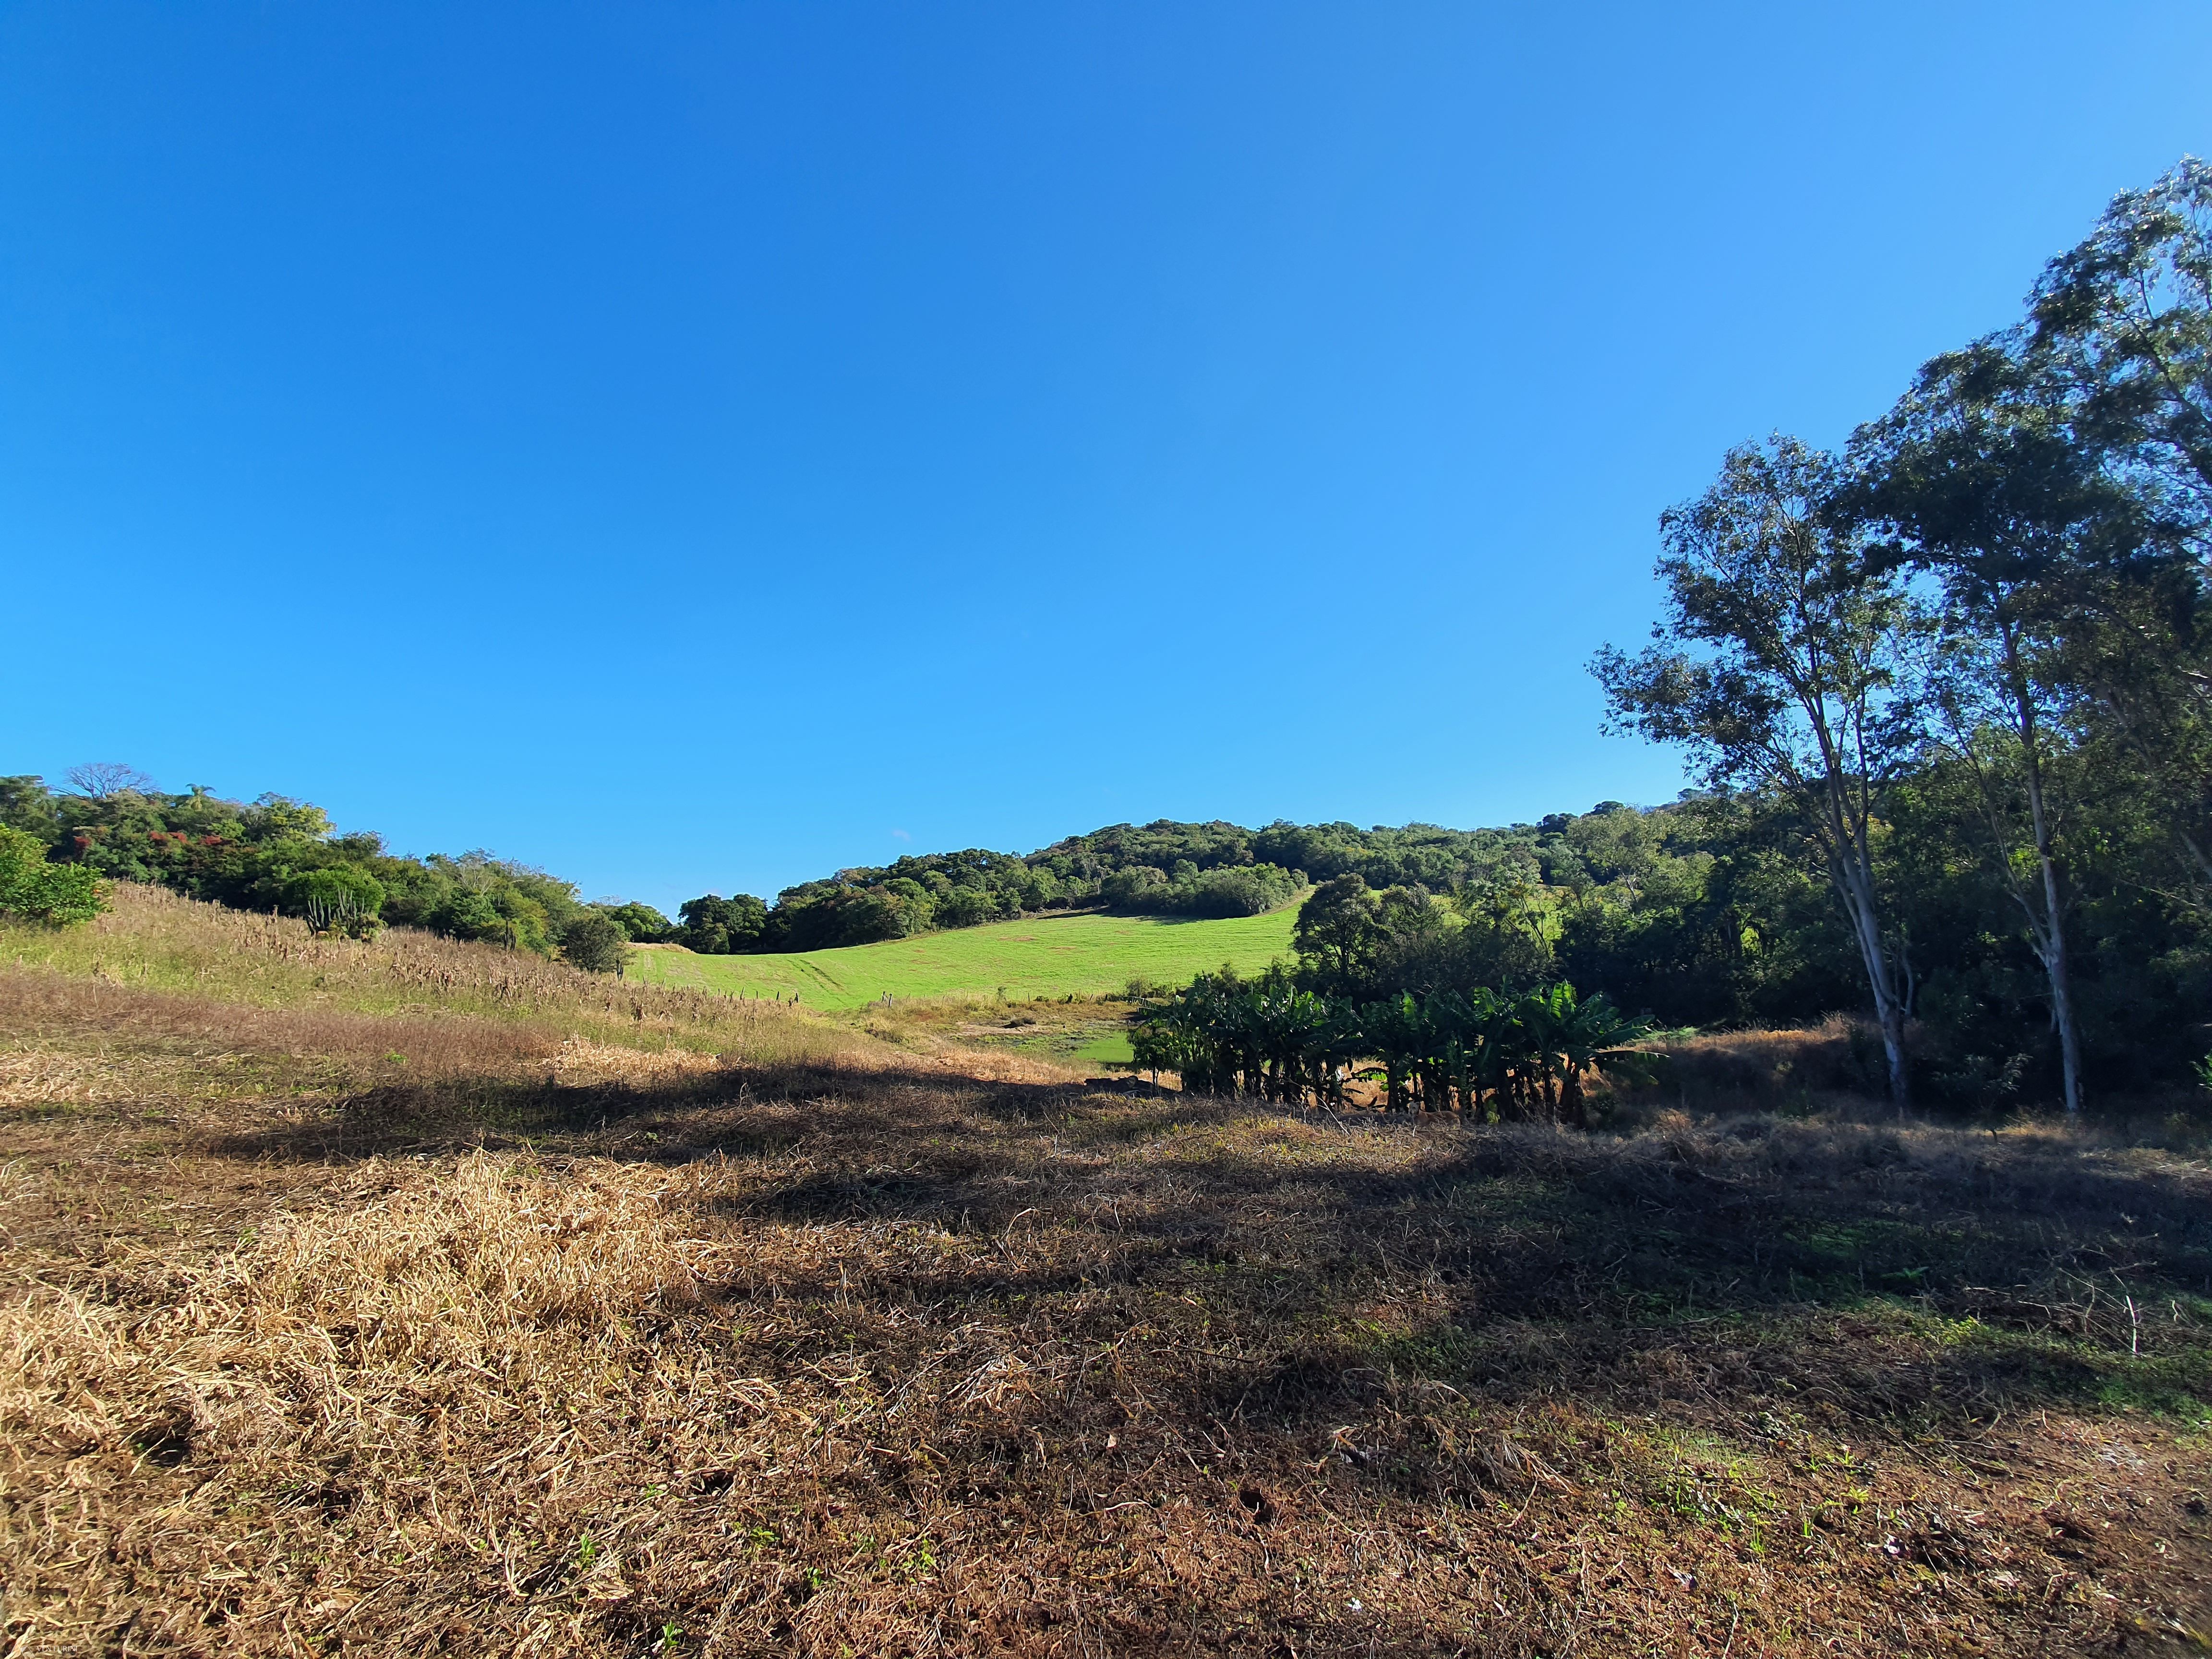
(1047, 955)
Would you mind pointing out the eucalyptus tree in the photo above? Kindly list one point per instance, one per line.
(1978, 474)
(2124, 320)
(1784, 665)
(2126, 316)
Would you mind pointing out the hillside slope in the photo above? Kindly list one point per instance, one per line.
(1045, 956)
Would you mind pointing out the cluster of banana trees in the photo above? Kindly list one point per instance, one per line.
(1512, 1055)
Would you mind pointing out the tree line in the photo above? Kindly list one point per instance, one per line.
(1947, 694)
(278, 853)
(1966, 662)
(1163, 868)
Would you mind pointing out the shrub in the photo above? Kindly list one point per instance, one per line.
(339, 898)
(496, 914)
(36, 890)
(594, 941)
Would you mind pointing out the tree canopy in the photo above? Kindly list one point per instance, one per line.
(278, 853)
(1970, 658)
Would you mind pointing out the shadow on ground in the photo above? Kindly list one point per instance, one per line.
(1031, 1368)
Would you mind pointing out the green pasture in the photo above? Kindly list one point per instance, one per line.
(1051, 956)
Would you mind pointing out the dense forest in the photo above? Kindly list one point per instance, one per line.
(1162, 868)
(1967, 664)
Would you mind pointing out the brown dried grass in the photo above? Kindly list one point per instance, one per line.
(153, 941)
(910, 1369)
(852, 1355)
(1831, 1065)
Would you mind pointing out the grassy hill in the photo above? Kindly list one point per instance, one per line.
(1050, 956)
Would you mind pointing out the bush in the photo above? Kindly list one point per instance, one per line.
(35, 890)
(495, 914)
(339, 898)
(594, 941)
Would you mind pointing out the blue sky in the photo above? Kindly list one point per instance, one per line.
(700, 446)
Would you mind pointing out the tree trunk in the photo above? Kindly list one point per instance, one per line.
(2049, 930)
(2062, 1010)
(2053, 942)
(1856, 890)
(1850, 870)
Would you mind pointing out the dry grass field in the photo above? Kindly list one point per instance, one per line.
(402, 1298)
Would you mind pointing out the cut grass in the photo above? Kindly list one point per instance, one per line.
(628, 1350)
(1047, 956)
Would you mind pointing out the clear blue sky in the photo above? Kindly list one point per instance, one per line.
(693, 447)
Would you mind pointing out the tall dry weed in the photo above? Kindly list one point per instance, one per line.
(154, 940)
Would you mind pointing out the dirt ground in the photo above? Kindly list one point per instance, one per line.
(573, 1349)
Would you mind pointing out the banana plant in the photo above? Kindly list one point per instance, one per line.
(1573, 1037)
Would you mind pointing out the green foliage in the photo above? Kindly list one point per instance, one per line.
(1785, 665)
(640, 923)
(26, 803)
(1235, 890)
(32, 888)
(336, 898)
(1162, 868)
(1340, 930)
(714, 925)
(593, 941)
(278, 853)
(1489, 1052)
(1968, 672)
